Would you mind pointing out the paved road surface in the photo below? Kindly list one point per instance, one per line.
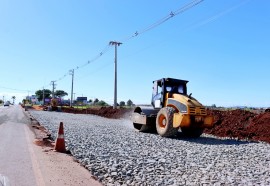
(15, 156)
(24, 164)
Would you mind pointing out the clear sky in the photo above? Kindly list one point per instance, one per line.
(221, 46)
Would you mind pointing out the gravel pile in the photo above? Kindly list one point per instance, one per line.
(117, 155)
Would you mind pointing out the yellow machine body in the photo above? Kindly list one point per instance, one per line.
(195, 113)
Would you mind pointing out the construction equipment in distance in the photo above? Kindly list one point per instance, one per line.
(173, 109)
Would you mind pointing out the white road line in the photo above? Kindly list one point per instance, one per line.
(36, 169)
(4, 181)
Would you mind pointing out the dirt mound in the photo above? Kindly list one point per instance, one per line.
(241, 124)
(107, 112)
(259, 129)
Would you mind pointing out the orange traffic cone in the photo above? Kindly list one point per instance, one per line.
(60, 141)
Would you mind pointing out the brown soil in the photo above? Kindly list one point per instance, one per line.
(107, 112)
(37, 107)
(241, 124)
(44, 142)
(43, 137)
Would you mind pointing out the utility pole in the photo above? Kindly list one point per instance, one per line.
(43, 96)
(74, 95)
(115, 43)
(28, 98)
(53, 87)
(71, 72)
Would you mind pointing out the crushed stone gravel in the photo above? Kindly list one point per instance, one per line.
(117, 155)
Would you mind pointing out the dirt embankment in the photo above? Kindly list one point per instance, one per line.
(107, 112)
(241, 124)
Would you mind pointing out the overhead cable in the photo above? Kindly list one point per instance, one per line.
(150, 27)
(15, 89)
(166, 18)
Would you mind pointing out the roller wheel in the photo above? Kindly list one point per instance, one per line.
(192, 132)
(141, 127)
(164, 122)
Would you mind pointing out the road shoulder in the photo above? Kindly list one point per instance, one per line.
(56, 168)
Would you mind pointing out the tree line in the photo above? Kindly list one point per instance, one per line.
(48, 94)
(61, 94)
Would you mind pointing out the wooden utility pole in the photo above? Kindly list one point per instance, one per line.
(115, 43)
(43, 97)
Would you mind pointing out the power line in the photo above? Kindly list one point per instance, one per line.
(166, 18)
(105, 50)
(218, 15)
(21, 90)
(193, 26)
(150, 27)
(107, 47)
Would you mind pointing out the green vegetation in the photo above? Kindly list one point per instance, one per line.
(122, 104)
(102, 103)
(60, 93)
(39, 94)
(48, 93)
(129, 103)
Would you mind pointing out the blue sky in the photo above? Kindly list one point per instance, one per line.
(220, 46)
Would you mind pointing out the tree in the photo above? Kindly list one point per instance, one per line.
(39, 94)
(13, 97)
(1, 101)
(122, 104)
(90, 101)
(60, 93)
(129, 103)
(96, 101)
(102, 103)
(213, 106)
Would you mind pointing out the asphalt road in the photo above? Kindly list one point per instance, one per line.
(16, 161)
(22, 163)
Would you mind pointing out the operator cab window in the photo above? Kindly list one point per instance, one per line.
(168, 89)
(156, 95)
(156, 91)
(181, 89)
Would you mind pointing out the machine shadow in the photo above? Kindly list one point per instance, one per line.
(208, 140)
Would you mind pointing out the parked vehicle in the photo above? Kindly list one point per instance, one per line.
(6, 104)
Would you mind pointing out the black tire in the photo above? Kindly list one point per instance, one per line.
(164, 122)
(192, 132)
